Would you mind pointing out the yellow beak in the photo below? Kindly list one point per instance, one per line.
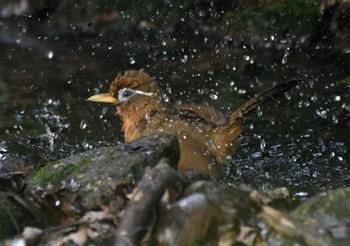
(104, 98)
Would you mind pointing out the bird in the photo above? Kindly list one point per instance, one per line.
(207, 138)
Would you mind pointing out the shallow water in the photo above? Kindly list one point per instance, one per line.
(299, 141)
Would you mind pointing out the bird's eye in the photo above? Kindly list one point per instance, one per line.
(125, 94)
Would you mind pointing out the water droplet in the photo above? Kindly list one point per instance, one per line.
(258, 111)
(301, 194)
(321, 113)
(314, 98)
(316, 154)
(306, 103)
(213, 97)
(104, 110)
(165, 98)
(262, 145)
(287, 96)
(256, 155)
(346, 51)
(241, 91)
(340, 158)
(57, 203)
(336, 98)
(3, 149)
(132, 60)
(285, 57)
(87, 145)
(200, 91)
(246, 57)
(184, 59)
(315, 174)
(311, 83)
(300, 104)
(83, 124)
(347, 107)
(334, 119)
(50, 54)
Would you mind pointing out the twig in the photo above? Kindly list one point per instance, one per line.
(146, 196)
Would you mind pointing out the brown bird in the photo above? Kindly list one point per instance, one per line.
(206, 137)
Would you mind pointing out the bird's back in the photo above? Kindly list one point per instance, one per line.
(196, 145)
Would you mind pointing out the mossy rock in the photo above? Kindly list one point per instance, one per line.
(96, 179)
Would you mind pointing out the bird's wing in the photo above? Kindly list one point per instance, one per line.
(203, 112)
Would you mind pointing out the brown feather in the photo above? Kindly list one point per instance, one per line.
(204, 112)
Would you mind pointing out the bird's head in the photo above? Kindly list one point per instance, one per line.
(133, 92)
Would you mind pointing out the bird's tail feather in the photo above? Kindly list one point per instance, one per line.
(262, 98)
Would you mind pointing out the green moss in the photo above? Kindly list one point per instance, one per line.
(296, 8)
(55, 172)
(345, 81)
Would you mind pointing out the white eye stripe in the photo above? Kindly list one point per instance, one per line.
(149, 94)
(126, 93)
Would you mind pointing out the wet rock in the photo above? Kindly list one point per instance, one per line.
(159, 184)
(321, 220)
(170, 208)
(96, 179)
(209, 213)
(328, 214)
